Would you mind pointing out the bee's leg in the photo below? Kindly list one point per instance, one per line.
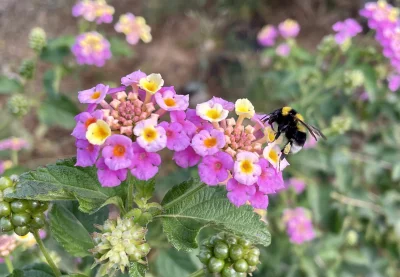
(280, 131)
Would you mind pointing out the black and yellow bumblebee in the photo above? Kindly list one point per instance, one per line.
(292, 124)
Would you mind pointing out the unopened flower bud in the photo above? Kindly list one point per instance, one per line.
(27, 69)
(327, 45)
(18, 105)
(352, 238)
(37, 39)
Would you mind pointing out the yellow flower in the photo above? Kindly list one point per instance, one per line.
(98, 132)
(244, 107)
(152, 83)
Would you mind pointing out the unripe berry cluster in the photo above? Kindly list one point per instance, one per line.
(37, 39)
(20, 216)
(229, 256)
(120, 242)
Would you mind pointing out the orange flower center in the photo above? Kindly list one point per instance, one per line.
(90, 121)
(119, 150)
(246, 166)
(96, 95)
(210, 142)
(170, 102)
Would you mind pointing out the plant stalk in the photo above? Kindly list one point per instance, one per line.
(198, 273)
(14, 157)
(129, 197)
(46, 254)
(9, 264)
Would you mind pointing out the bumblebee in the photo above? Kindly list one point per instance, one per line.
(292, 124)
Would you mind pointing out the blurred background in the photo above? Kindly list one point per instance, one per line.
(349, 183)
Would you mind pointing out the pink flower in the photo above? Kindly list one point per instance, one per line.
(246, 169)
(186, 158)
(117, 152)
(92, 49)
(297, 184)
(346, 30)
(259, 200)
(394, 82)
(270, 180)
(13, 143)
(225, 104)
(215, 169)
(238, 194)
(199, 123)
(299, 225)
(289, 28)
(7, 245)
(170, 101)
(93, 95)
(144, 164)
(177, 139)
(108, 177)
(86, 153)
(267, 35)
(151, 137)
(83, 120)
(208, 143)
(133, 78)
(188, 126)
(283, 50)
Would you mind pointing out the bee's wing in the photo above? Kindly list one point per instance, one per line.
(313, 130)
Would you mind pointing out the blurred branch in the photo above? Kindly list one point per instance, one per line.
(356, 202)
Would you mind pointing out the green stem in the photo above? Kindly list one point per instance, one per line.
(14, 157)
(129, 198)
(198, 273)
(46, 254)
(9, 264)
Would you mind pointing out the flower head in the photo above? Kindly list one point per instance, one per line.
(150, 136)
(13, 143)
(83, 121)
(289, 28)
(134, 27)
(117, 152)
(346, 30)
(144, 164)
(208, 143)
(243, 107)
(98, 132)
(151, 83)
(212, 112)
(92, 49)
(215, 169)
(94, 10)
(170, 101)
(297, 184)
(93, 95)
(299, 225)
(7, 245)
(267, 35)
(246, 169)
(283, 50)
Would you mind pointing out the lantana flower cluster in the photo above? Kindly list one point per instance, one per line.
(120, 130)
(345, 30)
(236, 152)
(268, 35)
(93, 48)
(384, 19)
(299, 225)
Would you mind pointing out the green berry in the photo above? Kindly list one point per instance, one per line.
(33, 205)
(38, 221)
(205, 255)
(6, 225)
(5, 209)
(241, 265)
(228, 271)
(21, 230)
(215, 265)
(43, 206)
(244, 242)
(136, 213)
(231, 240)
(37, 39)
(254, 251)
(18, 105)
(19, 206)
(136, 256)
(27, 69)
(5, 182)
(21, 219)
(236, 252)
(144, 249)
(253, 260)
(221, 250)
(241, 274)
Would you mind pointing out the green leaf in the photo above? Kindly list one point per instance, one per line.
(9, 86)
(65, 181)
(191, 206)
(49, 82)
(174, 263)
(143, 189)
(137, 270)
(396, 172)
(35, 270)
(370, 82)
(63, 107)
(69, 232)
(120, 48)
(57, 49)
